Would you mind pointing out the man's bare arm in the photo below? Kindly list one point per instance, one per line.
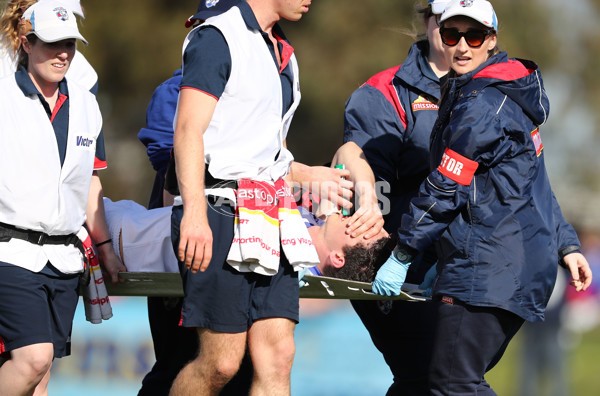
(194, 112)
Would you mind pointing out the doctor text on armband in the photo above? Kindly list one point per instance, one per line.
(458, 168)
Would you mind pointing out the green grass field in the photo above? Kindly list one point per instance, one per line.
(583, 365)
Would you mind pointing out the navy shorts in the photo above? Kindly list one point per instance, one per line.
(36, 308)
(225, 300)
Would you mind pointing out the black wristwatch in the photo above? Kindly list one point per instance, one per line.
(402, 255)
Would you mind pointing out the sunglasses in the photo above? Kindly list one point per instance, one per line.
(474, 37)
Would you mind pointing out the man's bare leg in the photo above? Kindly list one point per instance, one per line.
(218, 360)
(42, 388)
(26, 368)
(272, 348)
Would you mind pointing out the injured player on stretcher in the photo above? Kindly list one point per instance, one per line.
(142, 238)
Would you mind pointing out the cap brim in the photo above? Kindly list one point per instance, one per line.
(54, 35)
(79, 11)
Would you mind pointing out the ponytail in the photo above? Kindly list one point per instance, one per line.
(12, 27)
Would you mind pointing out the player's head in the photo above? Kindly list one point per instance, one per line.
(362, 260)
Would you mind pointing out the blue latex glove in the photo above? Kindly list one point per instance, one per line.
(390, 277)
(428, 281)
(303, 271)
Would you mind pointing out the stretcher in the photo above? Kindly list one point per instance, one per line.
(168, 284)
(325, 287)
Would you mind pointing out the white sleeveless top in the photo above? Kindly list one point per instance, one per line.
(36, 193)
(247, 130)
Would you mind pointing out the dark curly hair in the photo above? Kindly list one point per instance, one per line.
(362, 261)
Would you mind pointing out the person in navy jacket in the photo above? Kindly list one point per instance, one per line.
(487, 205)
(388, 122)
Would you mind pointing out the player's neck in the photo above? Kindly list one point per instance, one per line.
(316, 234)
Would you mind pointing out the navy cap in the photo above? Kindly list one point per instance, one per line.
(210, 8)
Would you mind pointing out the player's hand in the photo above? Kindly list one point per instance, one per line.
(390, 277)
(580, 270)
(195, 241)
(110, 263)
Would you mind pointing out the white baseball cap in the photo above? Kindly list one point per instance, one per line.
(73, 5)
(437, 6)
(51, 21)
(479, 10)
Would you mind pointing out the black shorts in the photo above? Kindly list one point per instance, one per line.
(36, 308)
(225, 300)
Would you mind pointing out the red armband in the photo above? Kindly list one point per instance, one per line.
(458, 168)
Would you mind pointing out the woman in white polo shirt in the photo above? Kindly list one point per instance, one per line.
(50, 149)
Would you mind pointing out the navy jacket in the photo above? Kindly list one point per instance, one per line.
(390, 117)
(487, 203)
